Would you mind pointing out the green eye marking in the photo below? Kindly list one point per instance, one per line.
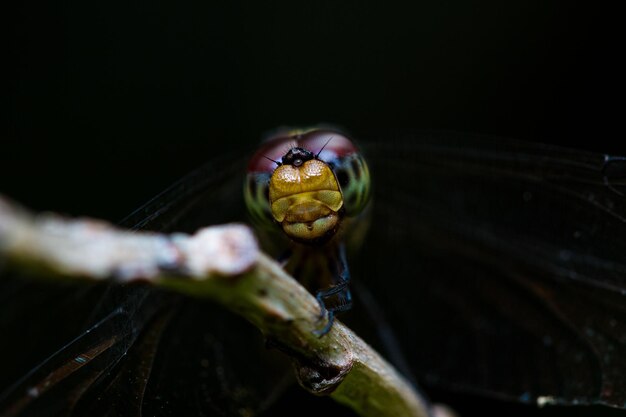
(255, 193)
(354, 179)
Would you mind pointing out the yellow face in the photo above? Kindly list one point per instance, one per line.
(306, 200)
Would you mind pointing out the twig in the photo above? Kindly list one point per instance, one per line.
(222, 263)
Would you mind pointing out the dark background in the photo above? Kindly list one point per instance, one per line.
(108, 103)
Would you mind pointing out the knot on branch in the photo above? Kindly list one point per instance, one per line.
(320, 372)
(321, 378)
(228, 250)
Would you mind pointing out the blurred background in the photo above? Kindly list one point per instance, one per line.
(107, 103)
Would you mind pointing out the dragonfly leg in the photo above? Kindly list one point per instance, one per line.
(344, 304)
(341, 290)
(328, 326)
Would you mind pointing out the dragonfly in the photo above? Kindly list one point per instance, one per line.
(318, 195)
(491, 268)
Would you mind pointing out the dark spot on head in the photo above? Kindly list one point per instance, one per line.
(342, 177)
(297, 156)
(262, 292)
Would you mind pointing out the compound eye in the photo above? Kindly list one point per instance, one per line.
(354, 179)
(256, 196)
(296, 149)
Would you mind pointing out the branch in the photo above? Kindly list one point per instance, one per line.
(224, 264)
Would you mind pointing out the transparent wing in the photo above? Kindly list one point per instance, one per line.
(211, 194)
(133, 351)
(58, 347)
(497, 264)
(501, 266)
